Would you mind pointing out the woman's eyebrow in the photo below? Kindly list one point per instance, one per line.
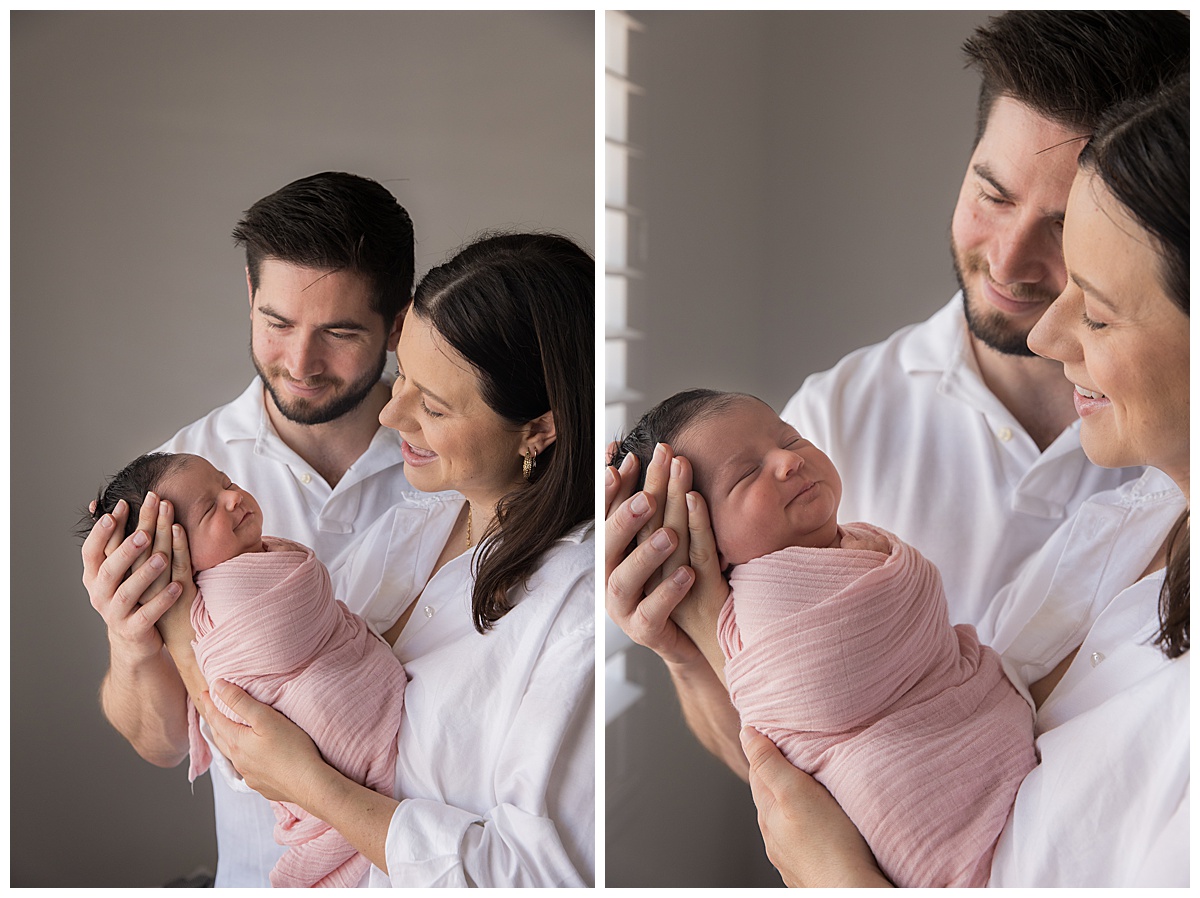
(435, 396)
(1092, 291)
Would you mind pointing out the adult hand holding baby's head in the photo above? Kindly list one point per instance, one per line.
(129, 579)
(674, 550)
(636, 597)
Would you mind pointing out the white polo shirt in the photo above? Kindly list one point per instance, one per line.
(297, 504)
(1108, 804)
(926, 451)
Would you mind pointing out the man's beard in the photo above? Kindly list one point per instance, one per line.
(303, 411)
(990, 326)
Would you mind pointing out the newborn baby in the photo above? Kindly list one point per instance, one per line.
(265, 618)
(837, 645)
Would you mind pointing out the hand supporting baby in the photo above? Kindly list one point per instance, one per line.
(664, 584)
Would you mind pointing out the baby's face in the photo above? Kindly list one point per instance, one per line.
(767, 488)
(222, 520)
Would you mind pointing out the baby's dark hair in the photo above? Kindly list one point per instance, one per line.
(667, 420)
(131, 483)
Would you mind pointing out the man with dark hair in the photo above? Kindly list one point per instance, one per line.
(951, 433)
(961, 391)
(329, 272)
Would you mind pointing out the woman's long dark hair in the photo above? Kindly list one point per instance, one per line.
(520, 308)
(1142, 153)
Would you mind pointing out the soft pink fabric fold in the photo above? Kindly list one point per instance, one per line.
(847, 661)
(268, 622)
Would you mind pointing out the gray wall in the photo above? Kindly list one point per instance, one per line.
(799, 175)
(137, 140)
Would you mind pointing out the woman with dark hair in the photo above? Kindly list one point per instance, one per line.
(1095, 627)
(482, 583)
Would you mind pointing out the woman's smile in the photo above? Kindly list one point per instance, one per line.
(415, 456)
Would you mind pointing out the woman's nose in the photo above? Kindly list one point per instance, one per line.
(1051, 337)
(396, 415)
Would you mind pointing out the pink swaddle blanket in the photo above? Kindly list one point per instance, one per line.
(268, 622)
(846, 660)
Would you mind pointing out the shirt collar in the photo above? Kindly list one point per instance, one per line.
(946, 328)
(246, 419)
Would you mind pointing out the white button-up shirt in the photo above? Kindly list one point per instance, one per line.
(1108, 803)
(496, 771)
(926, 451)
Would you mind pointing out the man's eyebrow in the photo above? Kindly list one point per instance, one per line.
(984, 171)
(345, 324)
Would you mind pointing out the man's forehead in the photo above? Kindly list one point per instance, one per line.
(1027, 155)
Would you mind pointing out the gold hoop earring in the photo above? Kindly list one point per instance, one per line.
(529, 464)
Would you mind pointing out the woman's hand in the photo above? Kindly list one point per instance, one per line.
(129, 581)
(808, 836)
(275, 757)
(637, 597)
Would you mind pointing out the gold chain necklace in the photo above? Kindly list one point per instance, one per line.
(468, 525)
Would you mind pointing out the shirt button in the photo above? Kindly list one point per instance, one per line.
(1005, 434)
(1097, 657)
(428, 611)
(306, 479)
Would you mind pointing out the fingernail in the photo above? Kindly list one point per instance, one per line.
(151, 497)
(744, 735)
(640, 504)
(691, 502)
(659, 452)
(106, 522)
(174, 588)
(140, 539)
(609, 477)
(682, 576)
(157, 562)
(660, 540)
(676, 467)
(627, 463)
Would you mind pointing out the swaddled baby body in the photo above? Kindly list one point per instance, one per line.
(265, 619)
(837, 645)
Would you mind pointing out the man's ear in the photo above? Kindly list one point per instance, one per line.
(539, 433)
(393, 339)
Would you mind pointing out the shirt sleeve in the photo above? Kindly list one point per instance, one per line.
(540, 832)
